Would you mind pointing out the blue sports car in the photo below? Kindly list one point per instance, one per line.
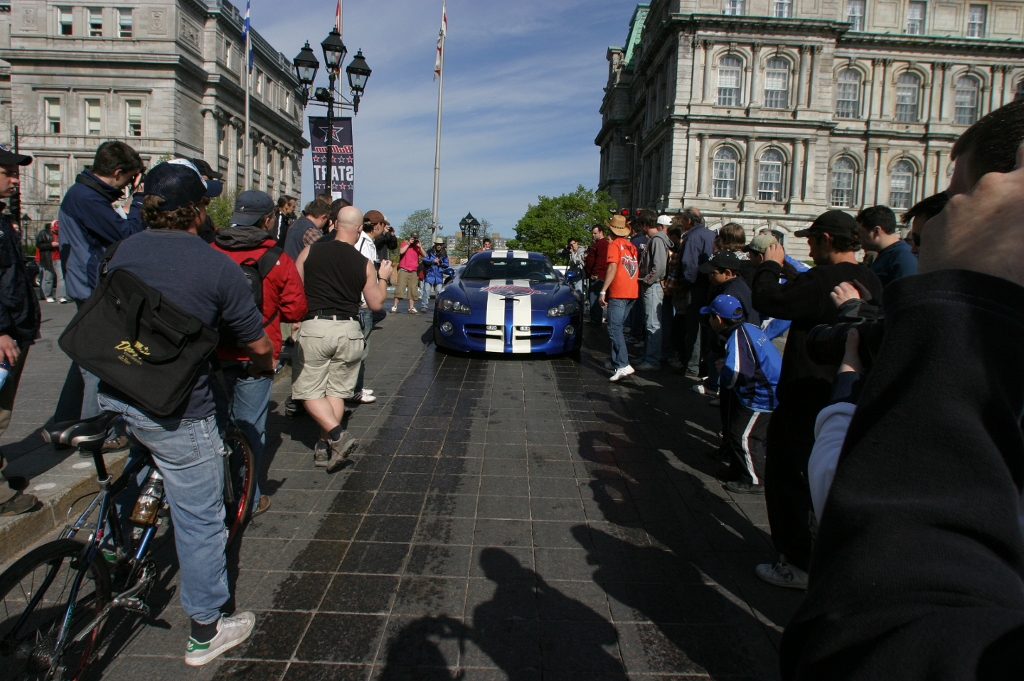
(509, 302)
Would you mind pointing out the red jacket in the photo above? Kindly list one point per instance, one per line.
(597, 259)
(284, 297)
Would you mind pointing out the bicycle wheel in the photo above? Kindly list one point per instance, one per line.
(34, 595)
(239, 483)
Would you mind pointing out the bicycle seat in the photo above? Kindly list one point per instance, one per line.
(87, 434)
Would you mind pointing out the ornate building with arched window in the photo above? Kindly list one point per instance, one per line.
(770, 112)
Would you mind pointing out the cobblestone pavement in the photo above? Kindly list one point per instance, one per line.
(503, 518)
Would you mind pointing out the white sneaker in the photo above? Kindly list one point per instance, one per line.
(394, 309)
(51, 300)
(367, 391)
(782, 574)
(648, 366)
(622, 373)
(700, 389)
(675, 363)
(362, 397)
(231, 631)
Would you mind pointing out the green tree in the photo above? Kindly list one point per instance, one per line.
(220, 210)
(418, 221)
(547, 226)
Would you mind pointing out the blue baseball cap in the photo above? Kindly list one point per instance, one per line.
(177, 182)
(726, 307)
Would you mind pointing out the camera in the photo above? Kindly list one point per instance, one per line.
(826, 344)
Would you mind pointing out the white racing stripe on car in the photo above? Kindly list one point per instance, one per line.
(520, 254)
(522, 315)
(495, 317)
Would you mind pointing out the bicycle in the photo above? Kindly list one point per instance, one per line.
(55, 600)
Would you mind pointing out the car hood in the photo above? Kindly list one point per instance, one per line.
(478, 291)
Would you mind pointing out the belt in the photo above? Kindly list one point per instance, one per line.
(402, 269)
(330, 314)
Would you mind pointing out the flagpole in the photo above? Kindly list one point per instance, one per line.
(437, 146)
(248, 97)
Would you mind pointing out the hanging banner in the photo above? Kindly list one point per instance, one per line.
(342, 159)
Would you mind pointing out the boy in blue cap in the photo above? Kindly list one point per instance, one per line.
(748, 376)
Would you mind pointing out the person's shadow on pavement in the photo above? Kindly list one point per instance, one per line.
(507, 631)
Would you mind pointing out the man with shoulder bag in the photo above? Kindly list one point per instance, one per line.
(277, 290)
(186, 289)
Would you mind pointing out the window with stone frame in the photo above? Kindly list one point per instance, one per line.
(844, 183)
(966, 100)
(735, 7)
(976, 15)
(776, 83)
(724, 169)
(125, 23)
(730, 78)
(908, 91)
(901, 185)
(95, 22)
(848, 94)
(52, 114)
(93, 117)
(133, 117)
(855, 14)
(782, 9)
(65, 21)
(769, 176)
(53, 180)
(915, 18)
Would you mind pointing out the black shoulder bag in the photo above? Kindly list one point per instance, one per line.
(138, 342)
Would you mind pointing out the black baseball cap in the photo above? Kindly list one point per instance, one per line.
(177, 182)
(721, 260)
(206, 170)
(250, 206)
(834, 223)
(9, 158)
(214, 187)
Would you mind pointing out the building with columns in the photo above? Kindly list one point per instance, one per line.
(165, 76)
(770, 112)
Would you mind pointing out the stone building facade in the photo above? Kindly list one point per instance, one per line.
(769, 112)
(165, 76)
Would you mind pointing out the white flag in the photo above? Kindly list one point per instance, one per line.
(337, 18)
(440, 39)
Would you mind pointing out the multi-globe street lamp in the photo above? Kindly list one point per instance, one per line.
(306, 67)
(470, 230)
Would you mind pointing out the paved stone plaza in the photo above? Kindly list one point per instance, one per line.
(502, 518)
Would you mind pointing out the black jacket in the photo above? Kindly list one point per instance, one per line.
(805, 301)
(44, 244)
(19, 308)
(385, 243)
(918, 568)
(738, 289)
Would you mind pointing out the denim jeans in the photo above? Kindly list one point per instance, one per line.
(426, 289)
(68, 405)
(653, 296)
(47, 282)
(249, 409)
(190, 455)
(596, 312)
(366, 319)
(618, 311)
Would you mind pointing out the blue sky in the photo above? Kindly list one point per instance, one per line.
(523, 88)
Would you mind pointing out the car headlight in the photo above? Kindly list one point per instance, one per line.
(450, 305)
(564, 309)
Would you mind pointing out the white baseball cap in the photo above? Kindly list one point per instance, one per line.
(665, 220)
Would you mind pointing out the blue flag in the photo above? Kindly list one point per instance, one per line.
(245, 34)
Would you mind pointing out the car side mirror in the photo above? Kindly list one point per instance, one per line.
(571, 277)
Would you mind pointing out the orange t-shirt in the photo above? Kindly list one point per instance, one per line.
(623, 253)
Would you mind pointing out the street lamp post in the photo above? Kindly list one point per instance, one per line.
(306, 66)
(469, 226)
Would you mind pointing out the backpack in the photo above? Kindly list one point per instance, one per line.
(255, 272)
(138, 343)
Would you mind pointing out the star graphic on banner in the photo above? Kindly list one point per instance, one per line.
(337, 131)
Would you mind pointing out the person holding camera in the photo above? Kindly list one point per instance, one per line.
(435, 264)
(804, 386)
(596, 264)
(386, 242)
(407, 287)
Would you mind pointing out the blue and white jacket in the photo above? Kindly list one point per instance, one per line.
(752, 367)
(772, 327)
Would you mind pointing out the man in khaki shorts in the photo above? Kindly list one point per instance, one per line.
(330, 343)
(408, 284)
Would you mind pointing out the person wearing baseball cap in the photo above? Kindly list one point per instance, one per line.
(749, 374)
(187, 448)
(214, 188)
(723, 272)
(775, 329)
(804, 387)
(19, 326)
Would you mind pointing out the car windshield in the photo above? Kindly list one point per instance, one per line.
(510, 268)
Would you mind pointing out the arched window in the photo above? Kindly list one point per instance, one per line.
(724, 170)
(769, 176)
(848, 94)
(966, 100)
(730, 75)
(843, 182)
(1020, 90)
(908, 88)
(776, 84)
(901, 185)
